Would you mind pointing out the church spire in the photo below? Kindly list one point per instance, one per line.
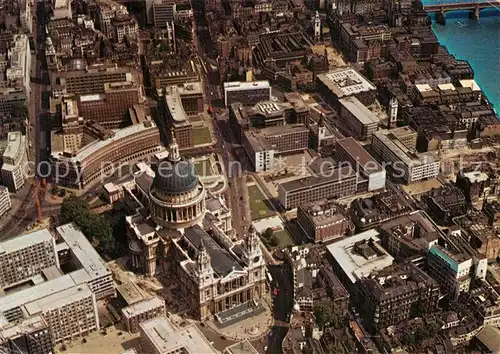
(321, 122)
(173, 148)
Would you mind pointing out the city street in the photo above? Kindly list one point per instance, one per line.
(25, 213)
(282, 307)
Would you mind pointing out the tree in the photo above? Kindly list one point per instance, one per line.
(273, 240)
(268, 233)
(20, 110)
(408, 339)
(96, 228)
(325, 315)
(54, 190)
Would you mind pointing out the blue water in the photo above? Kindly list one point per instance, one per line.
(479, 43)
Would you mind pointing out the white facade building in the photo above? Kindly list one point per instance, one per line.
(160, 336)
(92, 269)
(259, 151)
(5, 203)
(62, 9)
(14, 162)
(405, 161)
(247, 93)
(24, 257)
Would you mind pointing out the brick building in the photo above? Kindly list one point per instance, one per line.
(110, 109)
(323, 221)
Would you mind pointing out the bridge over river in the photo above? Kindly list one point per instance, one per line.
(440, 7)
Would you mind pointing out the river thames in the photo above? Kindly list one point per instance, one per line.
(479, 43)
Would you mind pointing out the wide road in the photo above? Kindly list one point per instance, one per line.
(40, 131)
(237, 194)
(282, 307)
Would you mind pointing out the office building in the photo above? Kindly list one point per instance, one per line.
(124, 26)
(11, 97)
(15, 85)
(62, 9)
(409, 235)
(177, 119)
(90, 80)
(31, 336)
(396, 149)
(247, 93)
(358, 119)
(107, 11)
(18, 72)
(101, 157)
(69, 309)
(69, 313)
(356, 257)
(367, 213)
(163, 13)
(110, 109)
(323, 221)
(336, 183)
(5, 203)
(259, 151)
(142, 311)
(88, 266)
(445, 203)
(191, 94)
(345, 82)
(266, 114)
(24, 257)
(349, 151)
(243, 347)
(261, 145)
(67, 303)
(15, 158)
(160, 336)
(26, 15)
(451, 268)
(395, 294)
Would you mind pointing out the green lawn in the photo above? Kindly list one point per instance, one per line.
(259, 206)
(202, 136)
(284, 238)
(203, 168)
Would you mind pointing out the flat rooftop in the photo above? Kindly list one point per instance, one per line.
(97, 145)
(130, 293)
(359, 110)
(356, 264)
(58, 299)
(244, 347)
(345, 82)
(174, 105)
(25, 241)
(324, 213)
(333, 176)
(14, 144)
(162, 333)
(253, 85)
(409, 157)
(281, 130)
(191, 88)
(472, 84)
(359, 154)
(83, 250)
(143, 306)
(39, 291)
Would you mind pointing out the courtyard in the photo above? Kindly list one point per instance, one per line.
(202, 136)
(260, 207)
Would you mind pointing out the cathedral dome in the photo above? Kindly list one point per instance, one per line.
(174, 177)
